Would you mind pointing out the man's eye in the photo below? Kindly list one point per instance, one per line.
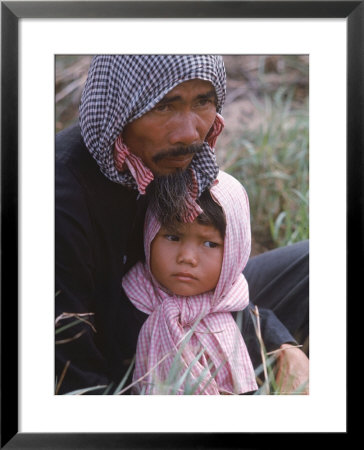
(161, 108)
(202, 102)
(205, 101)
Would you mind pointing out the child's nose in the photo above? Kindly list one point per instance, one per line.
(187, 255)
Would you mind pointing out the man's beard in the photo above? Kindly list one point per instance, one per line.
(167, 194)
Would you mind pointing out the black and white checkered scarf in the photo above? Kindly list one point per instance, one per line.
(121, 88)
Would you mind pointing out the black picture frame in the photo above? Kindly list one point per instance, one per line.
(11, 12)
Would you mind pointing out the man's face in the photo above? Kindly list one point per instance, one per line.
(182, 119)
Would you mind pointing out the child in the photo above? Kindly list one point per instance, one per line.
(193, 273)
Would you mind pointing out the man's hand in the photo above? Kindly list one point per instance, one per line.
(292, 370)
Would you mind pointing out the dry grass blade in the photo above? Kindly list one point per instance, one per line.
(66, 341)
(281, 349)
(78, 316)
(70, 88)
(62, 377)
(256, 322)
(78, 68)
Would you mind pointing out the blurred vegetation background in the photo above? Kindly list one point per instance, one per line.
(264, 144)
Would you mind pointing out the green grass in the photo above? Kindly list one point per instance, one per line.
(179, 381)
(271, 161)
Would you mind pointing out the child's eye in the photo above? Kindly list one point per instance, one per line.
(171, 237)
(210, 244)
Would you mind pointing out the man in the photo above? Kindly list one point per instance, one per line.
(148, 124)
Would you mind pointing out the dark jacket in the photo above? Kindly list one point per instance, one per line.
(99, 236)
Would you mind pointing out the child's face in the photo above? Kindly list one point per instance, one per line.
(188, 261)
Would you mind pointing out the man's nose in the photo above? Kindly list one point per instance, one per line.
(184, 130)
(187, 255)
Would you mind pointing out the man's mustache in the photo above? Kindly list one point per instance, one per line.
(177, 151)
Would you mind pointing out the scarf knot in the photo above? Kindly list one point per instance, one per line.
(191, 310)
(124, 160)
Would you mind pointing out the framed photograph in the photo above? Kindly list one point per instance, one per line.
(32, 34)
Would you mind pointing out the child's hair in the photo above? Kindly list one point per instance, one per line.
(213, 213)
(166, 196)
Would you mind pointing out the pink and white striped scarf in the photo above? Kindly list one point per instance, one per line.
(225, 365)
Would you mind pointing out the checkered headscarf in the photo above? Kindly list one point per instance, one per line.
(122, 88)
(172, 316)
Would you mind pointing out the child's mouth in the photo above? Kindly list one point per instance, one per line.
(184, 276)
